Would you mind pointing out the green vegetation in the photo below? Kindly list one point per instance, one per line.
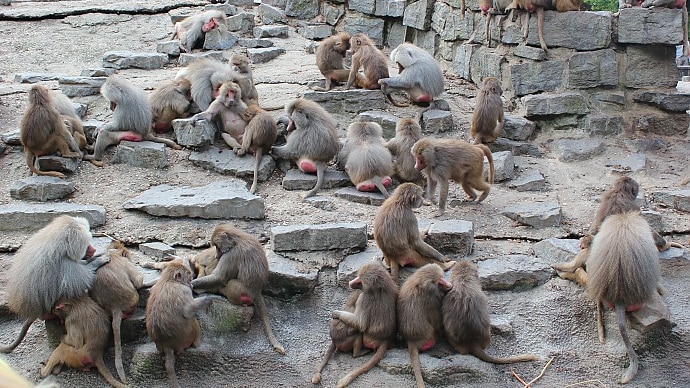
(603, 5)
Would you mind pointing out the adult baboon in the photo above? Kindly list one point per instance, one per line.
(365, 158)
(419, 75)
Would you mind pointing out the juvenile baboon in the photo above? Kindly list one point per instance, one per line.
(366, 159)
(170, 309)
(312, 141)
(170, 101)
(466, 321)
(132, 118)
(70, 117)
(419, 312)
(487, 119)
(397, 234)
(329, 59)
(240, 274)
(419, 75)
(407, 132)
(365, 55)
(374, 315)
(192, 30)
(241, 65)
(441, 160)
(42, 131)
(48, 267)
(229, 108)
(624, 272)
(207, 76)
(115, 289)
(343, 337)
(204, 262)
(259, 136)
(86, 337)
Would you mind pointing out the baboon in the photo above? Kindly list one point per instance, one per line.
(441, 160)
(329, 59)
(70, 117)
(204, 262)
(192, 30)
(312, 141)
(259, 136)
(397, 233)
(538, 7)
(42, 131)
(240, 274)
(206, 77)
(365, 55)
(115, 290)
(229, 108)
(466, 321)
(624, 272)
(241, 65)
(489, 8)
(170, 101)
(48, 267)
(407, 132)
(170, 320)
(419, 75)
(374, 314)
(487, 119)
(343, 337)
(132, 118)
(366, 159)
(419, 312)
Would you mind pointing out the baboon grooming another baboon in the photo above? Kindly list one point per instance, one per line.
(70, 117)
(419, 75)
(312, 140)
(488, 118)
(170, 101)
(330, 54)
(259, 136)
(366, 56)
(192, 30)
(466, 321)
(407, 132)
(624, 272)
(374, 314)
(240, 274)
(229, 108)
(441, 160)
(419, 312)
(49, 267)
(366, 159)
(397, 233)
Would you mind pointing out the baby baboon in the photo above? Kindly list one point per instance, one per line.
(192, 30)
(624, 272)
(419, 312)
(366, 159)
(240, 274)
(329, 59)
(241, 65)
(132, 118)
(466, 320)
(49, 267)
(115, 289)
(407, 132)
(365, 55)
(229, 108)
(343, 337)
(86, 337)
(204, 262)
(170, 101)
(259, 136)
(374, 314)
(441, 160)
(487, 119)
(312, 141)
(419, 75)
(42, 131)
(397, 233)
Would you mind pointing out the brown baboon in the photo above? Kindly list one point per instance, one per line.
(374, 314)
(76, 129)
(397, 233)
(170, 101)
(204, 262)
(42, 131)
(329, 59)
(407, 132)
(259, 136)
(240, 274)
(343, 337)
(366, 159)
(115, 289)
(624, 272)
(419, 312)
(192, 30)
(312, 141)
(48, 267)
(441, 160)
(132, 118)
(229, 108)
(86, 337)
(487, 119)
(365, 55)
(466, 320)
(419, 75)
(241, 65)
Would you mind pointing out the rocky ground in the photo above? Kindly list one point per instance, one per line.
(553, 320)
